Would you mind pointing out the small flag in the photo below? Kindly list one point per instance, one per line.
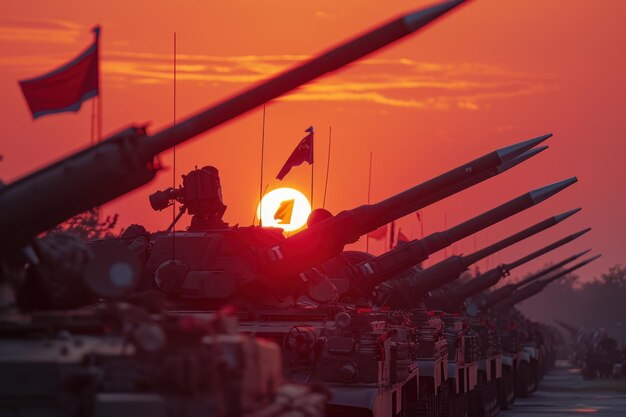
(402, 238)
(419, 216)
(65, 88)
(284, 212)
(379, 234)
(302, 153)
(392, 234)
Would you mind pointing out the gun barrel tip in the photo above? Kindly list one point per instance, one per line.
(548, 191)
(559, 218)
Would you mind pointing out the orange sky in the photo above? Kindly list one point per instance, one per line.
(490, 74)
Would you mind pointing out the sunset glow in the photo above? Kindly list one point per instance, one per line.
(490, 74)
(271, 202)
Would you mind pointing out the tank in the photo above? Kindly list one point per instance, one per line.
(216, 265)
(211, 264)
(445, 383)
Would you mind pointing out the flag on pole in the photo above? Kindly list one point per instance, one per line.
(65, 88)
(402, 238)
(419, 216)
(284, 212)
(302, 153)
(379, 234)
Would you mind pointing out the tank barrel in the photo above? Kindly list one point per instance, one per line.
(325, 63)
(536, 287)
(504, 243)
(506, 210)
(547, 249)
(550, 280)
(324, 240)
(125, 161)
(548, 270)
(386, 266)
(482, 176)
(500, 294)
(439, 240)
(451, 268)
(492, 277)
(411, 200)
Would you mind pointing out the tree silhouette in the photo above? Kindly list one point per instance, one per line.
(89, 225)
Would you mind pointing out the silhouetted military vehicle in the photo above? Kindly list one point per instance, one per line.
(116, 358)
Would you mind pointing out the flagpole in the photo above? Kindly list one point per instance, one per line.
(93, 122)
(330, 138)
(174, 160)
(369, 194)
(313, 153)
(261, 175)
(99, 96)
(422, 223)
(445, 226)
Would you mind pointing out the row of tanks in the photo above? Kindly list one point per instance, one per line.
(165, 322)
(382, 335)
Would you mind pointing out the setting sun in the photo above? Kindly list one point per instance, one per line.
(286, 208)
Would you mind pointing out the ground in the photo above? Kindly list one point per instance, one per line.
(564, 393)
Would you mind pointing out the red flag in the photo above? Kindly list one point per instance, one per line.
(379, 234)
(419, 216)
(302, 153)
(65, 88)
(402, 238)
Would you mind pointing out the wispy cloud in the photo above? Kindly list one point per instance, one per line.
(403, 82)
(40, 31)
(324, 15)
